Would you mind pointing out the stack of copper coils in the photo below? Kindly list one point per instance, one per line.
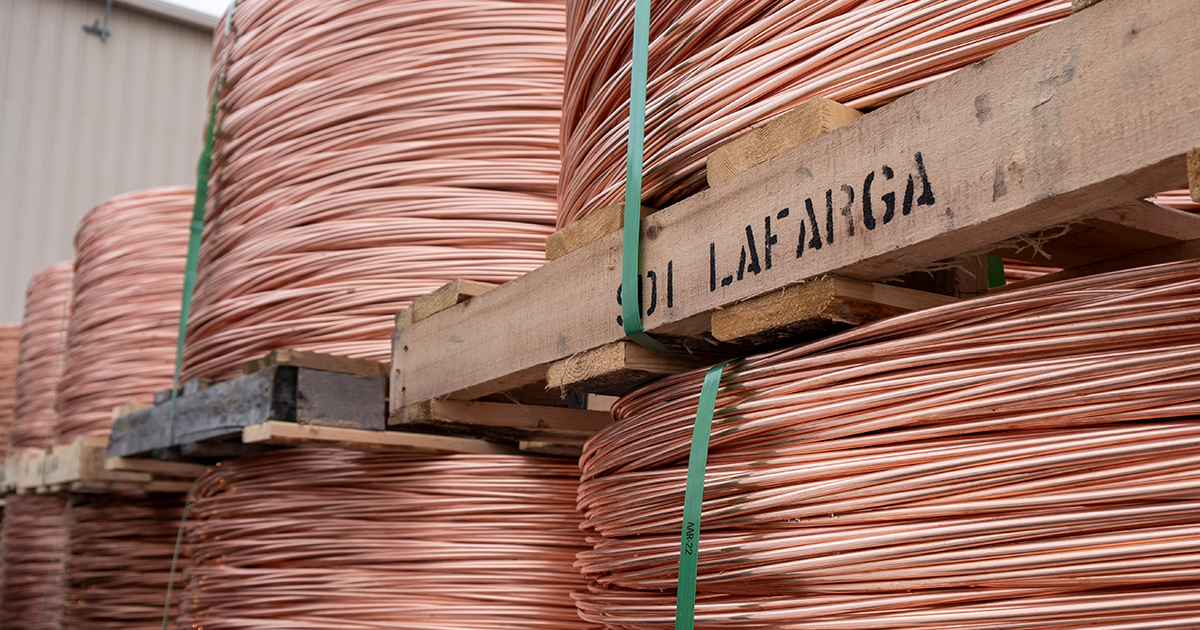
(121, 343)
(33, 545)
(39, 362)
(338, 539)
(10, 339)
(367, 153)
(717, 68)
(1020, 460)
(121, 548)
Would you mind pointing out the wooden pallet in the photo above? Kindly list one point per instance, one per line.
(1047, 143)
(288, 398)
(82, 466)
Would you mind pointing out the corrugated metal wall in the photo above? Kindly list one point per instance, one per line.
(82, 121)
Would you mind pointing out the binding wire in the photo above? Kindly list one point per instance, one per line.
(33, 546)
(120, 560)
(337, 539)
(366, 154)
(39, 360)
(129, 258)
(717, 67)
(1019, 460)
(10, 338)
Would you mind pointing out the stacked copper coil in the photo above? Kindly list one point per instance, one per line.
(1177, 200)
(33, 545)
(366, 154)
(10, 338)
(716, 68)
(1020, 460)
(129, 258)
(121, 549)
(40, 358)
(337, 539)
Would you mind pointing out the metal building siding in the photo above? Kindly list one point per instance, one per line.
(82, 121)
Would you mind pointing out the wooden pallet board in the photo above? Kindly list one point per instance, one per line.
(502, 421)
(284, 386)
(82, 466)
(292, 434)
(1002, 149)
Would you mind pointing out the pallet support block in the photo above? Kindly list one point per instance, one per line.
(779, 135)
(819, 306)
(1193, 170)
(1003, 148)
(616, 368)
(605, 221)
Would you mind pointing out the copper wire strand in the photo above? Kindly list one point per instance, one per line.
(130, 253)
(339, 539)
(39, 362)
(33, 545)
(10, 340)
(718, 67)
(366, 154)
(1019, 460)
(119, 560)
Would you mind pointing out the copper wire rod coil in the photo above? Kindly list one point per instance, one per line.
(40, 358)
(1020, 460)
(1177, 200)
(339, 539)
(33, 545)
(366, 154)
(717, 67)
(130, 253)
(10, 339)
(120, 559)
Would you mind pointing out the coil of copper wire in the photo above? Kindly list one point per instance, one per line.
(1019, 460)
(119, 560)
(39, 360)
(33, 545)
(130, 253)
(716, 68)
(10, 339)
(304, 539)
(1177, 200)
(366, 154)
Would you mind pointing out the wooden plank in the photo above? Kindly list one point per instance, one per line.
(318, 361)
(83, 460)
(778, 135)
(1079, 5)
(1193, 171)
(1166, 254)
(616, 368)
(816, 307)
(128, 408)
(290, 434)
(160, 468)
(334, 399)
(30, 469)
(602, 222)
(449, 294)
(502, 421)
(1002, 148)
(556, 449)
(1133, 227)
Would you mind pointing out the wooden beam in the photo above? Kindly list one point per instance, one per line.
(556, 449)
(449, 294)
(602, 222)
(615, 369)
(291, 434)
(183, 470)
(778, 135)
(1165, 254)
(1079, 5)
(502, 421)
(1002, 148)
(317, 361)
(1193, 171)
(819, 306)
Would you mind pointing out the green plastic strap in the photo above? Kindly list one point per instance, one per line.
(693, 500)
(187, 506)
(196, 229)
(631, 311)
(995, 271)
